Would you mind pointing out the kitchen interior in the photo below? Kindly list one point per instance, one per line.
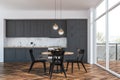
(20, 33)
(40, 26)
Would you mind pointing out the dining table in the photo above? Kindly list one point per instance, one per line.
(49, 53)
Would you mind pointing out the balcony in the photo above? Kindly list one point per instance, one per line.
(114, 55)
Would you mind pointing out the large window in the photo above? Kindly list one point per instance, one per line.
(114, 39)
(108, 35)
(100, 39)
(100, 9)
(111, 3)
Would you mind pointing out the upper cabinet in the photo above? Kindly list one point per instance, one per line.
(19, 28)
(27, 28)
(34, 28)
(10, 29)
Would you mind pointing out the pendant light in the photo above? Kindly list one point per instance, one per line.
(55, 26)
(61, 31)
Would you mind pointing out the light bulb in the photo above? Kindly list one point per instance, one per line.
(60, 32)
(55, 26)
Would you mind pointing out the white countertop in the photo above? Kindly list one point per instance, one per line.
(38, 42)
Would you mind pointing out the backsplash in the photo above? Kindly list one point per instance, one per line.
(37, 42)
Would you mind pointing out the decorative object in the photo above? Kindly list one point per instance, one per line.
(55, 26)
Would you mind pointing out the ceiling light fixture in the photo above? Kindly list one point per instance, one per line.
(61, 31)
(55, 26)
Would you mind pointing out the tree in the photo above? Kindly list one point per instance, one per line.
(100, 38)
(117, 40)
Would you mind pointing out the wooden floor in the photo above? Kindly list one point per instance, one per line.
(18, 71)
(113, 65)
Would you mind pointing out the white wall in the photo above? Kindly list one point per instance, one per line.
(91, 33)
(24, 14)
(1, 40)
(43, 14)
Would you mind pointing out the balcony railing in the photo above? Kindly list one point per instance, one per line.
(114, 51)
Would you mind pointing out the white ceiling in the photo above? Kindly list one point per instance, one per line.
(48, 4)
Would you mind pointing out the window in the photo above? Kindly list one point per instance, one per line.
(100, 39)
(108, 35)
(100, 30)
(112, 3)
(100, 9)
(114, 25)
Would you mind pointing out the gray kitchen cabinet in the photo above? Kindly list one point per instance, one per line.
(27, 55)
(77, 36)
(20, 54)
(40, 27)
(27, 28)
(34, 28)
(9, 55)
(19, 32)
(10, 28)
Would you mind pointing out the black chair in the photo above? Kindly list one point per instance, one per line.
(57, 60)
(79, 59)
(42, 60)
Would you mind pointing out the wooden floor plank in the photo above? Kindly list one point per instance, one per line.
(18, 71)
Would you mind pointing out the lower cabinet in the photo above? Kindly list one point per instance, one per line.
(9, 54)
(21, 54)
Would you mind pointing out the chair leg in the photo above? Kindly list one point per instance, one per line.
(44, 67)
(67, 66)
(62, 67)
(57, 68)
(84, 66)
(52, 67)
(78, 65)
(72, 67)
(31, 66)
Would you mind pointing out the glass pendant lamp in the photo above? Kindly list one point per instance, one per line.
(55, 26)
(61, 32)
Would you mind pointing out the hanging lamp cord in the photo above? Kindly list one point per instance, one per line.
(55, 9)
(61, 9)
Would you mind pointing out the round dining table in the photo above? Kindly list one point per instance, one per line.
(66, 53)
(50, 57)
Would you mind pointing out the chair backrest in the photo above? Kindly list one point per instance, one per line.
(58, 56)
(31, 54)
(80, 54)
